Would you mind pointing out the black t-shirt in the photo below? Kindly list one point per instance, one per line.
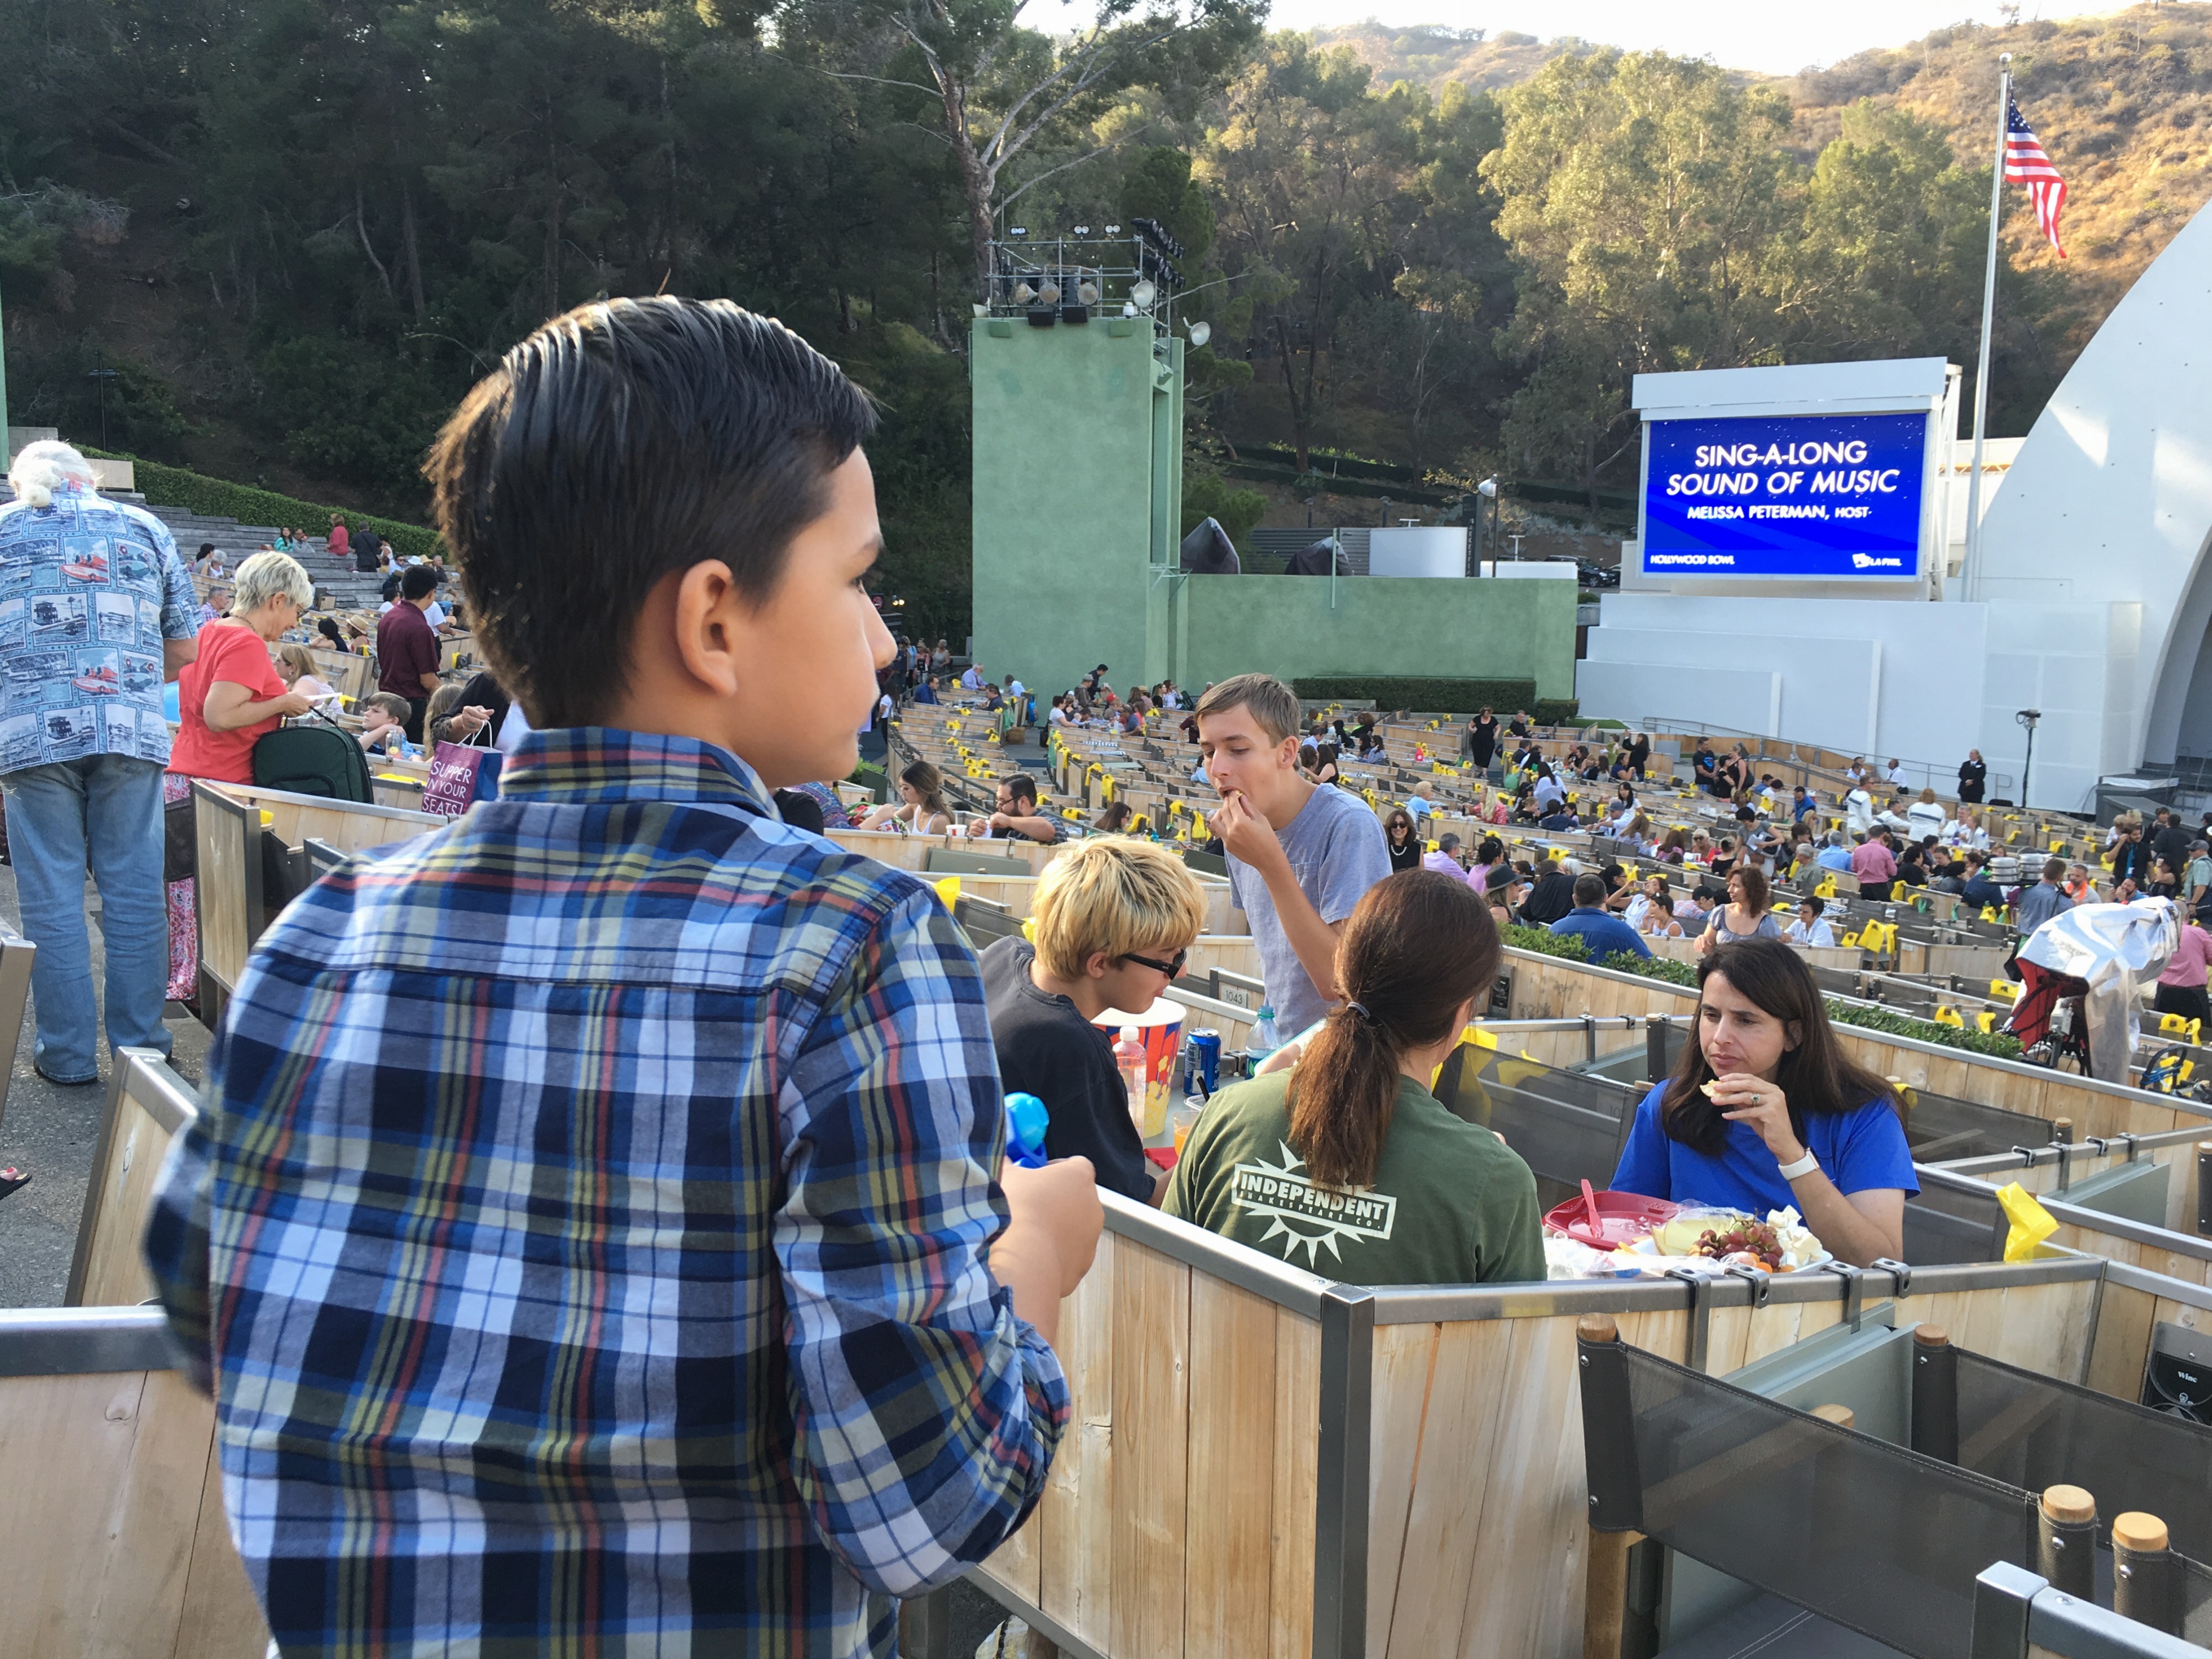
(1046, 1049)
(1407, 857)
(2172, 844)
(1552, 897)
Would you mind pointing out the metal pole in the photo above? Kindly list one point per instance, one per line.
(1972, 575)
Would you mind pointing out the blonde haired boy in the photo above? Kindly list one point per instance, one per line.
(1114, 919)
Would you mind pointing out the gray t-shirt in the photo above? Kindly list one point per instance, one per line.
(1337, 852)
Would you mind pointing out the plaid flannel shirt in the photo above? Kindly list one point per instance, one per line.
(584, 1233)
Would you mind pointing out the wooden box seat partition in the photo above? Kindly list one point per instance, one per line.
(1972, 1194)
(1262, 1464)
(231, 822)
(113, 1529)
(147, 1105)
(16, 955)
(1260, 1461)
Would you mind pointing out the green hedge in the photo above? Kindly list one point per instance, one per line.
(195, 492)
(1659, 968)
(1544, 942)
(1436, 695)
(1665, 968)
(1999, 1043)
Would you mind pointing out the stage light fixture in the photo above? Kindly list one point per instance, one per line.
(1128, 309)
(1113, 230)
(1049, 294)
(1143, 294)
(1023, 293)
(1487, 488)
(981, 310)
(1017, 230)
(1083, 230)
(1200, 334)
(1086, 291)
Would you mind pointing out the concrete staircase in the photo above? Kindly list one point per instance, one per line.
(348, 589)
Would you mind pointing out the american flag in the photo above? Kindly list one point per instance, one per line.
(2026, 163)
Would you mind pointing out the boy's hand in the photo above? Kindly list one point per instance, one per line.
(1246, 832)
(1055, 1208)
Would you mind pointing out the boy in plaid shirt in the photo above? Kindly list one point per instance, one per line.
(590, 1236)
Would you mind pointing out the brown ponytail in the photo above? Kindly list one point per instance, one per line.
(1419, 946)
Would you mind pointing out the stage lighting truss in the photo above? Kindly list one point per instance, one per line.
(1124, 271)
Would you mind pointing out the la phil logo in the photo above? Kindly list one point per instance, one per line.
(1876, 562)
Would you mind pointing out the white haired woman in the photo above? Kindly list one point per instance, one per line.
(225, 699)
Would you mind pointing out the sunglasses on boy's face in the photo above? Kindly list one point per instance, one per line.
(1172, 967)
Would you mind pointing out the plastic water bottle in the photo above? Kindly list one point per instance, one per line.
(1130, 1061)
(1264, 1040)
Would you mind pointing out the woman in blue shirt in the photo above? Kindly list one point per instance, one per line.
(1764, 1111)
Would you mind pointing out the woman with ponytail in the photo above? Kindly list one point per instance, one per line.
(1343, 1162)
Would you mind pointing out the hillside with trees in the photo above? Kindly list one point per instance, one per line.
(278, 242)
(2122, 103)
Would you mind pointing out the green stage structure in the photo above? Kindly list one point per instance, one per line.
(1078, 501)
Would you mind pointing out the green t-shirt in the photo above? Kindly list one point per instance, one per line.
(1452, 1204)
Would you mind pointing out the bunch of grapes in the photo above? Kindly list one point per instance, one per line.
(1753, 1238)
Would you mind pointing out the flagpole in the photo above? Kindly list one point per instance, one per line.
(1970, 575)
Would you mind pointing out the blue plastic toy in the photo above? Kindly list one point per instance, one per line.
(1026, 1119)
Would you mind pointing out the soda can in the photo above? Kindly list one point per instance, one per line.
(1205, 1059)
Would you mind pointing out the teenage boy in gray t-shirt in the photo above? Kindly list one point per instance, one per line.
(1301, 855)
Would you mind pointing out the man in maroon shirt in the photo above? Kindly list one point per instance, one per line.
(407, 648)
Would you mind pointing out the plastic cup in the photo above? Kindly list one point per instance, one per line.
(1183, 1119)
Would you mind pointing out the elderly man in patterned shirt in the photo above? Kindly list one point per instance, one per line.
(592, 1233)
(96, 613)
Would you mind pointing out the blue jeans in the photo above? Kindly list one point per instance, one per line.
(107, 807)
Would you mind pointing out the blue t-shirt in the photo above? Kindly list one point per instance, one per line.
(1858, 1150)
(1604, 933)
(1336, 851)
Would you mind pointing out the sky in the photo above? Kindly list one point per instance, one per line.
(1774, 38)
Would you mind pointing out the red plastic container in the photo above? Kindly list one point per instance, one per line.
(1623, 1218)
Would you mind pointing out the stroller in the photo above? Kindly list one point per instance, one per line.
(2049, 1020)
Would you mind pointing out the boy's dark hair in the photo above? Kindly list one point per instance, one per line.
(418, 581)
(626, 439)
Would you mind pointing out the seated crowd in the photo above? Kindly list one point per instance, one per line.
(683, 1124)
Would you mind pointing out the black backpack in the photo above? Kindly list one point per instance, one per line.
(312, 760)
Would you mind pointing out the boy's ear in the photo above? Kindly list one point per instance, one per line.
(708, 608)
